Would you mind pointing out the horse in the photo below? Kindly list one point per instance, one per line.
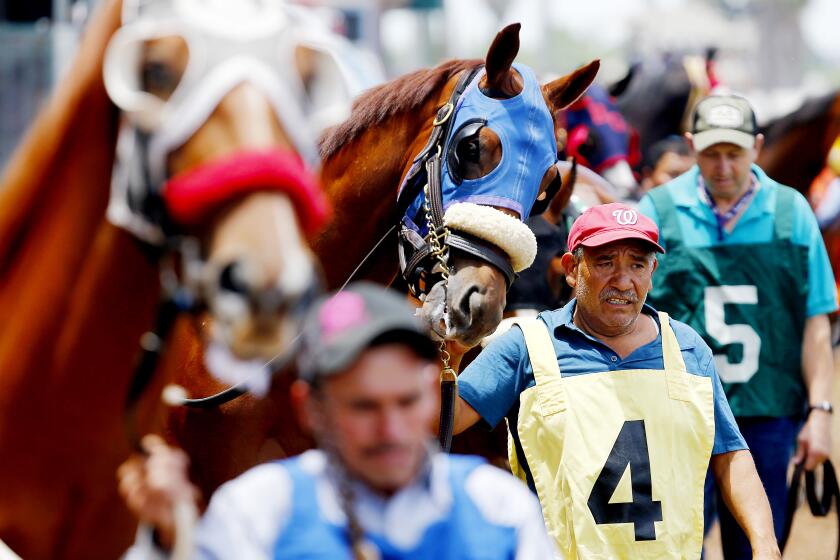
(656, 97)
(796, 144)
(364, 161)
(599, 138)
(215, 190)
(796, 147)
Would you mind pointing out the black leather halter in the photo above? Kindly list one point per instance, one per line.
(417, 262)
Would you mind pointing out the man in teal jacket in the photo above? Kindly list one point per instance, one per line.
(747, 268)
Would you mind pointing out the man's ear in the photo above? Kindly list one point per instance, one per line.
(300, 394)
(759, 143)
(690, 141)
(655, 266)
(569, 263)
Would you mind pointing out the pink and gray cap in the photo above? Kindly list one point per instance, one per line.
(340, 327)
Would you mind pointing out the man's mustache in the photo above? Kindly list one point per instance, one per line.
(629, 295)
(385, 448)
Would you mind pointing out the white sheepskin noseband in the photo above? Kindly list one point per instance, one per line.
(494, 226)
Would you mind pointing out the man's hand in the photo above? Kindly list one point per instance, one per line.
(814, 440)
(152, 485)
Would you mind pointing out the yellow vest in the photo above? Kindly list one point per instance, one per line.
(618, 458)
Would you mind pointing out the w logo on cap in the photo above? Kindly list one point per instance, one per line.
(625, 217)
(609, 223)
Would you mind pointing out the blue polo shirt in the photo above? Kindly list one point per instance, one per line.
(699, 229)
(492, 383)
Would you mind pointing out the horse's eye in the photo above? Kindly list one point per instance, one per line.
(469, 149)
(158, 78)
(473, 152)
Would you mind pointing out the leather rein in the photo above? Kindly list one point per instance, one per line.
(819, 506)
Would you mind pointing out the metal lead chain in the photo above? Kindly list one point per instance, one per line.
(448, 377)
(437, 237)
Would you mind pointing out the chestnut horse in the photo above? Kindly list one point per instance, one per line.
(796, 145)
(795, 150)
(77, 292)
(364, 160)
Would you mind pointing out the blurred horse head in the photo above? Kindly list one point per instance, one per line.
(196, 114)
(216, 144)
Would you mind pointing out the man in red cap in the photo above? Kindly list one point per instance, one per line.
(607, 385)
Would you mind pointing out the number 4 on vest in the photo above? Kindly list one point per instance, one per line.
(630, 449)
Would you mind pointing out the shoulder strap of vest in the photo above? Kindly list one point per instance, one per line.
(675, 370)
(784, 213)
(666, 210)
(549, 383)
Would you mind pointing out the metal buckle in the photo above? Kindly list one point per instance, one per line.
(439, 120)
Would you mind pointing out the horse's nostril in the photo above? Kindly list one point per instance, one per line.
(464, 304)
(231, 280)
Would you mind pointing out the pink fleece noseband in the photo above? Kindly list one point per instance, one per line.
(192, 195)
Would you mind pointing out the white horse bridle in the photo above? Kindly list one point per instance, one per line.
(229, 42)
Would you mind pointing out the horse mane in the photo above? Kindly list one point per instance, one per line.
(810, 110)
(397, 96)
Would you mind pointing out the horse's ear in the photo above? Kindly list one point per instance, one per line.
(564, 91)
(561, 200)
(500, 57)
(619, 87)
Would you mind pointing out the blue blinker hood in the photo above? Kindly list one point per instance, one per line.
(526, 130)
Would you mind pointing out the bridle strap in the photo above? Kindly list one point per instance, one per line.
(441, 128)
(176, 298)
(236, 391)
(474, 246)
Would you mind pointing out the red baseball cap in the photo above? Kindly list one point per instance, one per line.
(607, 223)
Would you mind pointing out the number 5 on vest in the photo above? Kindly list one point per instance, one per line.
(630, 449)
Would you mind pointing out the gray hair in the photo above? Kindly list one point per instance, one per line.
(578, 254)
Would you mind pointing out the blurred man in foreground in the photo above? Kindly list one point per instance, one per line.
(376, 487)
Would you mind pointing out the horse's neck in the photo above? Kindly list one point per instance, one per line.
(74, 315)
(362, 180)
